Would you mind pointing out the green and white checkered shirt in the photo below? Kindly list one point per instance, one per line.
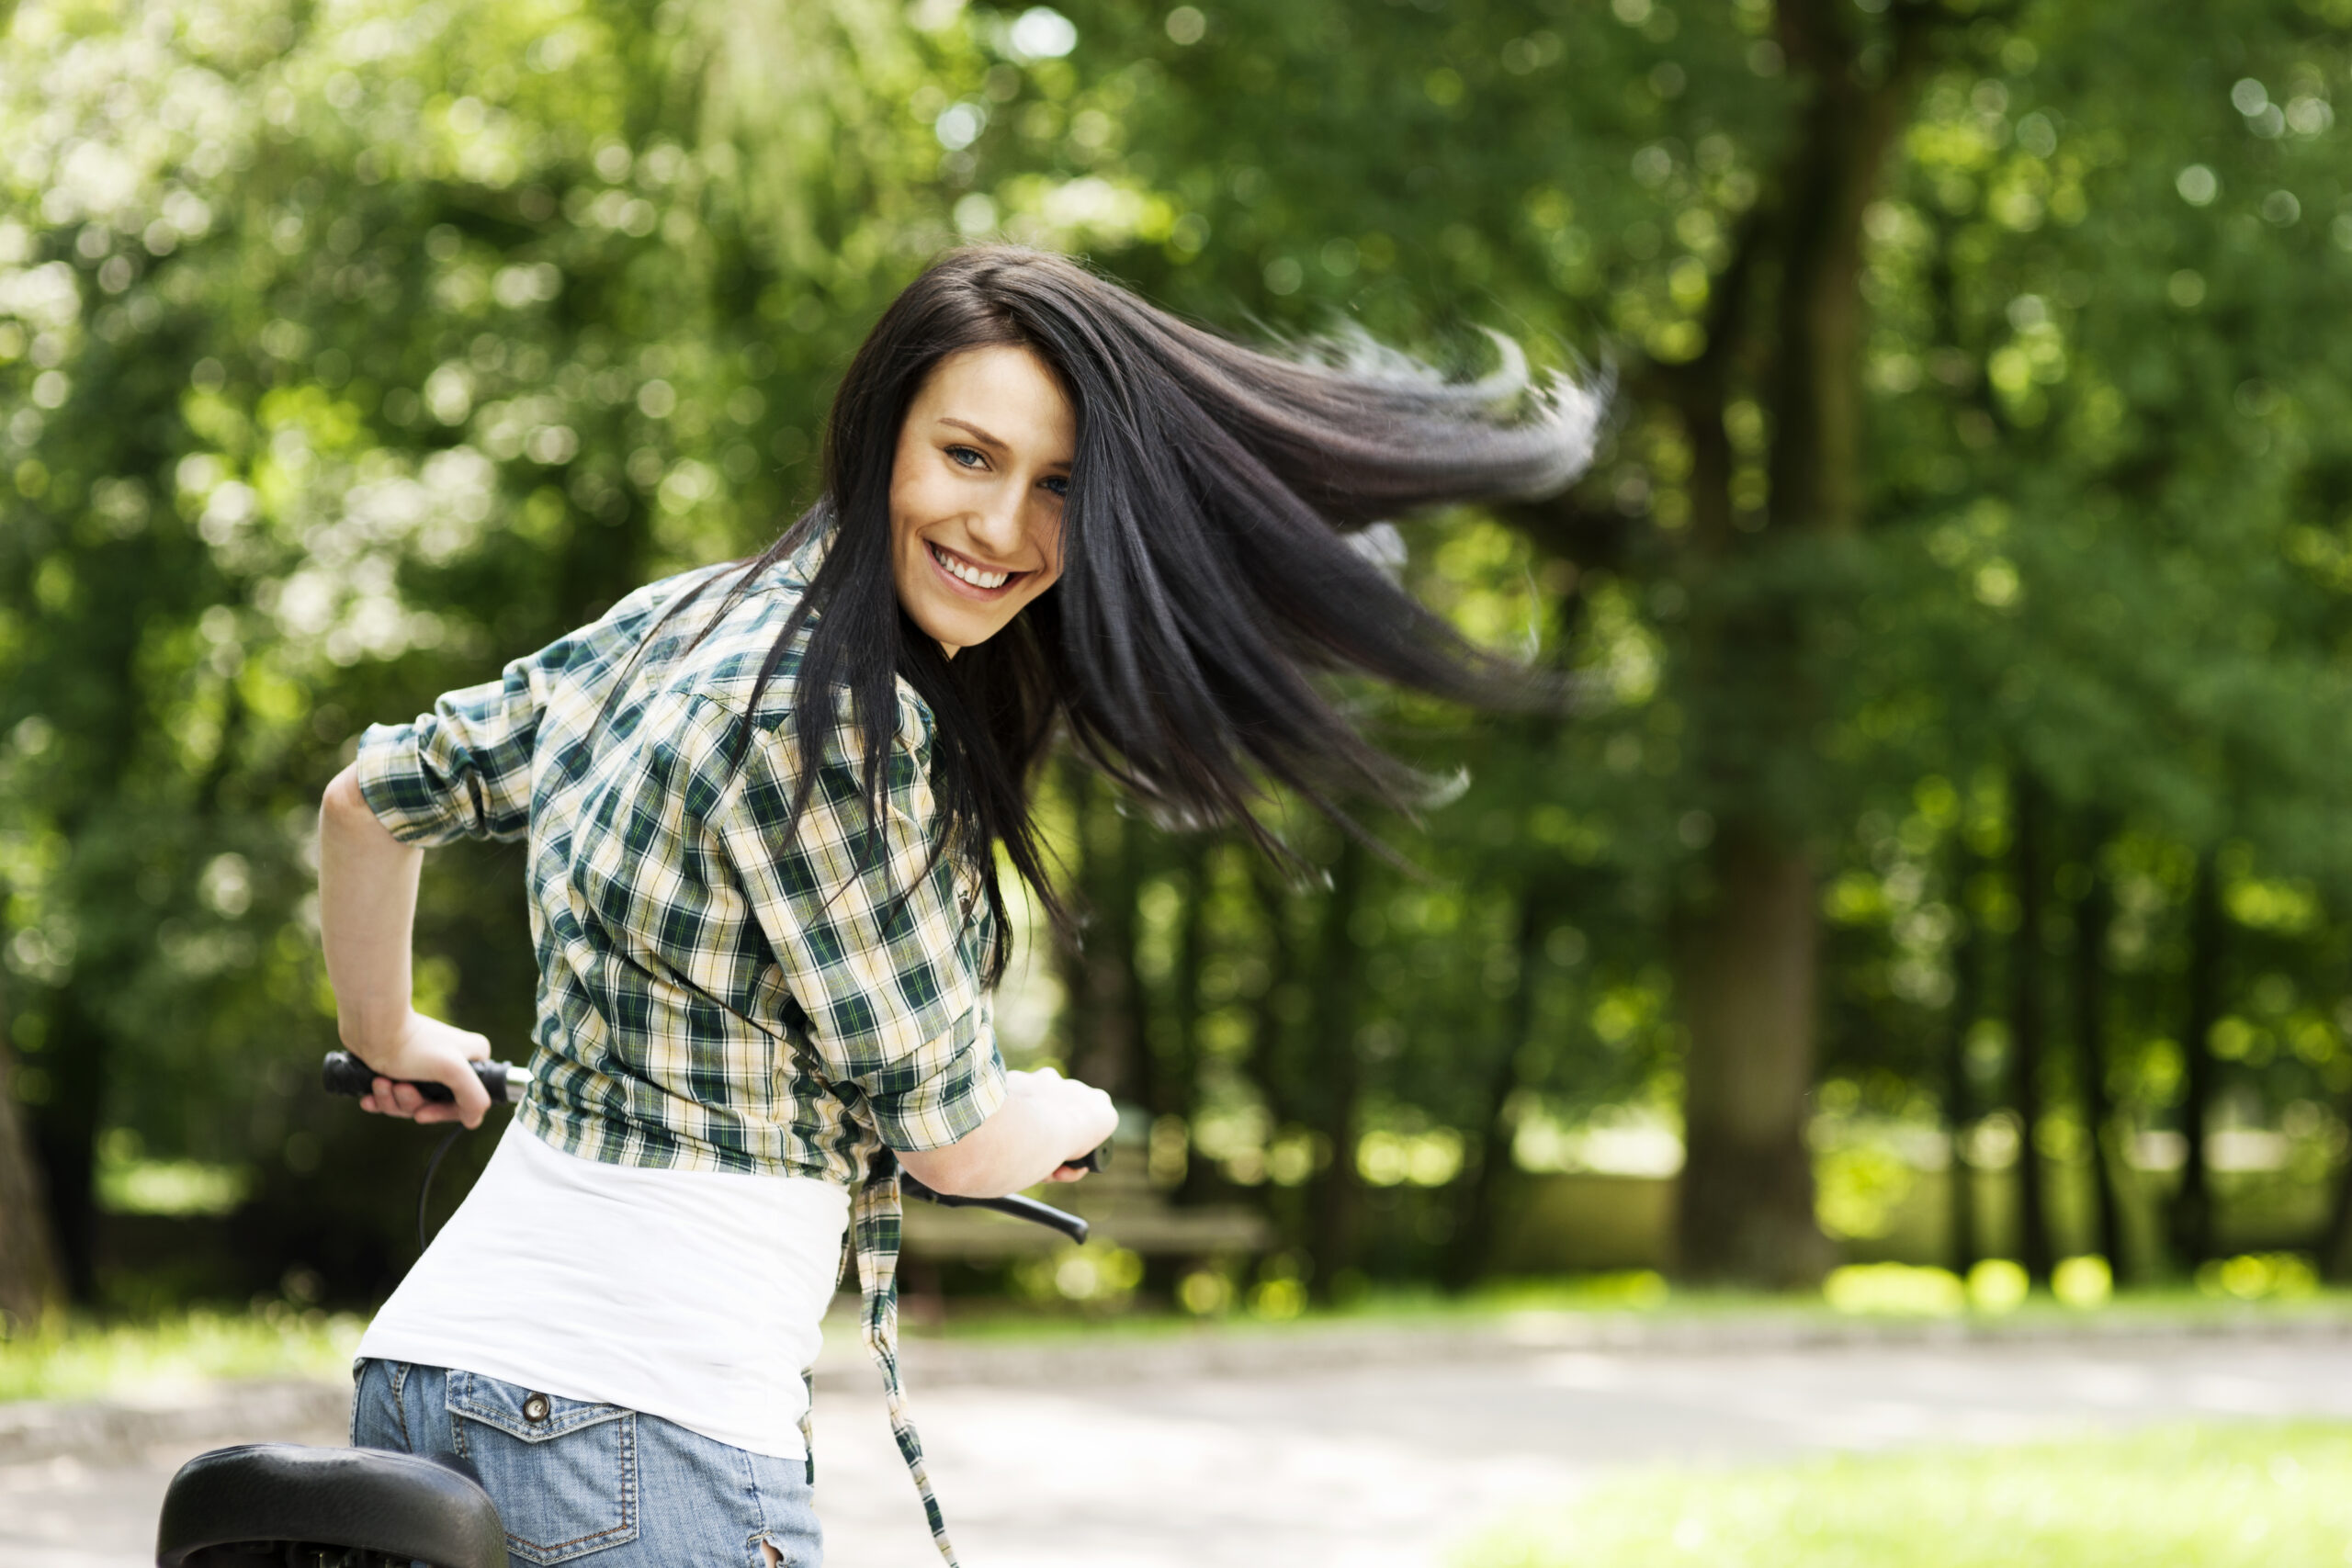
(716, 990)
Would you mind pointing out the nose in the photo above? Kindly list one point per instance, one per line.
(1001, 526)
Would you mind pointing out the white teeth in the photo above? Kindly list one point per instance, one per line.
(970, 574)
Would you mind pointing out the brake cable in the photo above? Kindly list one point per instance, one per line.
(346, 1074)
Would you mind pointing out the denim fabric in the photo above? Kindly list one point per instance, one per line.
(576, 1480)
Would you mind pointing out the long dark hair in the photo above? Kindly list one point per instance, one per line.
(1206, 569)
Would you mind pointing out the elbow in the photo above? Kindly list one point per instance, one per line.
(955, 1171)
(344, 796)
(345, 818)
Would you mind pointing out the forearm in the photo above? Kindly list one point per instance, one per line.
(367, 915)
(1029, 1137)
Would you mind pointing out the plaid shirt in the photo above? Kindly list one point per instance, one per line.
(717, 992)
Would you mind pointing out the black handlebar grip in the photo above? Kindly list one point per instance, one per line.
(346, 1074)
(1095, 1159)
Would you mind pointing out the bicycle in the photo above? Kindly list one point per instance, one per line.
(299, 1506)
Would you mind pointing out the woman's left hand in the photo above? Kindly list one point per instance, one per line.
(425, 1049)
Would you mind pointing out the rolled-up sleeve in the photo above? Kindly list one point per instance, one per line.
(462, 770)
(881, 942)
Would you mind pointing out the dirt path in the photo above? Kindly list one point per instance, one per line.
(1381, 1465)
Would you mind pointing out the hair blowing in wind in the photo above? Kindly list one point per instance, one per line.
(1207, 572)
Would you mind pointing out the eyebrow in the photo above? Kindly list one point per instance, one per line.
(977, 434)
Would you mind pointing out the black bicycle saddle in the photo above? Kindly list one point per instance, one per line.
(286, 1504)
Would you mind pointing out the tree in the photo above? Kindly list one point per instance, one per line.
(351, 354)
(2192, 1201)
(28, 1278)
(1970, 421)
(2028, 1019)
(2094, 924)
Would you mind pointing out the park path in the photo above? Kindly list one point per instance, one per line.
(1378, 1460)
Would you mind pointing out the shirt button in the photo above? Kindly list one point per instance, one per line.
(535, 1409)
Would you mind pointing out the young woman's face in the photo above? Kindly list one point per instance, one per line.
(976, 492)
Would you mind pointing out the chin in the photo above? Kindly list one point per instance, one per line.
(961, 630)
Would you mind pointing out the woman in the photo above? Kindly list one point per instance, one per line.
(763, 804)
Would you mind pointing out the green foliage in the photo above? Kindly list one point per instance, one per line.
(347, 352)
(352, 354)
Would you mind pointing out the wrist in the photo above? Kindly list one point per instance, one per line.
(370, 1033)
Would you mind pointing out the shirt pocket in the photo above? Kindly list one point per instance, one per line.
(562, 1471)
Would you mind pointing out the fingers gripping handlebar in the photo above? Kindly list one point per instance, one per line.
(346, 1074)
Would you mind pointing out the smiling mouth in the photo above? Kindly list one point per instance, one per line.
(968, 576)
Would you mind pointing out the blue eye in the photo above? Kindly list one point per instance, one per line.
(959, 455)
(1057, 483)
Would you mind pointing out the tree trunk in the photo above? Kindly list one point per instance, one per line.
(2094, 913)
(1745, 975)
(1336, 1215)
(30, 1284)
(1165, 1018)
(1264, 1059)
(2334, 1247)
(1122, 959)
(1180, 1073)
(1105, 1004)
(1269, 1058)
(2193, 1204)
(1469, 1250)
(2029, 951)
(1967, 999)
(65, 1135)
(1745, 961)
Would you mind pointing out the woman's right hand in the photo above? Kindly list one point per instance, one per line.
(418, 1049)
(1045, 1122)
(1091, 1116)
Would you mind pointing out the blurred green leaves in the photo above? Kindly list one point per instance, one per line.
(349, 351)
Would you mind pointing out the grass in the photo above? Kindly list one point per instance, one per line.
(74, 1357)
(2196, 1496)
(1646, 1295)
(69, 1359)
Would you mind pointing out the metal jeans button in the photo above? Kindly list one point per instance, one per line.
(535, 1409)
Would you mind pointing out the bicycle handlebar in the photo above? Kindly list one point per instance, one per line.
(1020, 1208)
(346, 1074)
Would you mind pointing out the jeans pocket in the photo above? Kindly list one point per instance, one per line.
(562, 1471)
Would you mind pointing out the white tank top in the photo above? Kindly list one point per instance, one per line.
(693, 1295)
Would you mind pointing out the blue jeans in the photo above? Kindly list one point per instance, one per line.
(574, 1480)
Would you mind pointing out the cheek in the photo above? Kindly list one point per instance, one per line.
(913, 484)
(1047, 535)
(912, 508)
(906, 506)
